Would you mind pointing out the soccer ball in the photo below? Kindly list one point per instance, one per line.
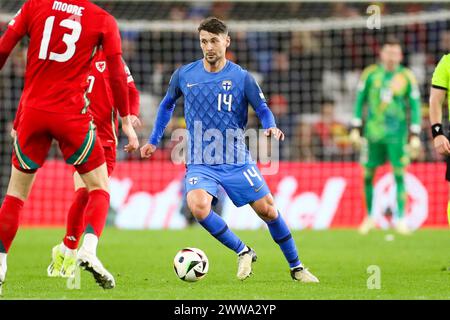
(191, 264)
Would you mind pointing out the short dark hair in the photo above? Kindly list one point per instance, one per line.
(392, 41)
(213, 25)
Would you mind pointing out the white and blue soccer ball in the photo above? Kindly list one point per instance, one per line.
(191, 264)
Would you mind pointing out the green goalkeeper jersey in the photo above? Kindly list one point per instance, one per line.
(387, 95)
(441, 76)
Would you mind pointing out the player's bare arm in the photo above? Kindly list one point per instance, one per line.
(135, 121)
(440, 141)
(128, 130)
(120, 94)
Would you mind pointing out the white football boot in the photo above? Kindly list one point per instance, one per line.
(245, 260)
(89, 262)
(302, 274)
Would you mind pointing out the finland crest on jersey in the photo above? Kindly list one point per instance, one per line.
(193, 180)
(226, 85)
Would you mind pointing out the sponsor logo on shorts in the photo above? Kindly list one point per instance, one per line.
(257, 189)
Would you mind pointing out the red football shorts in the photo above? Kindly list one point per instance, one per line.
(75, 133)
(110, 157)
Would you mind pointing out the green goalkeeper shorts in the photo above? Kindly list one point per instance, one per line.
(374, 154)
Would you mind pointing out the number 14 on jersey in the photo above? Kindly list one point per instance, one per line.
(225, 100)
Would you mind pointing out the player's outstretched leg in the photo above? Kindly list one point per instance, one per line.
(95, 215)
(64, 254)
(18, 190)
(265, 208)
(75, 219)
(199, 202)
(368, 222)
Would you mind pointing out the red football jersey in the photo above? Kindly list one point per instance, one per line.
(63, 36)
(101, 100)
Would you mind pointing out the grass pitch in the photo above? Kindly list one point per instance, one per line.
(141, 261)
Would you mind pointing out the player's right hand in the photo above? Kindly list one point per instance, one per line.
(128, 130)
(147, 150)
(135, 121)
(442, 145)
(355, 138)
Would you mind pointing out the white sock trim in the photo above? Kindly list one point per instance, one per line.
(300, 265)
(3, 259)
(63, 248)
(71, 252)
(90, 243)
(243, 250)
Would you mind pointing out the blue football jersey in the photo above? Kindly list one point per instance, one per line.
(216, 110)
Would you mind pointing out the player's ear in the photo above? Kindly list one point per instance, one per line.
(228, 41)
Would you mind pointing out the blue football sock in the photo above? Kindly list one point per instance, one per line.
(218, 228)
(281, 235)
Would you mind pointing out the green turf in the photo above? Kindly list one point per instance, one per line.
(141, 262)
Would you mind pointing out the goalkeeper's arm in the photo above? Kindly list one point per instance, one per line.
(414, 103)
(356, 124)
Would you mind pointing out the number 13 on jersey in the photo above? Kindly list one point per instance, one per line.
(68, 39)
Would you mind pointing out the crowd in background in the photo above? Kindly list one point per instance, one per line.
(309, 77)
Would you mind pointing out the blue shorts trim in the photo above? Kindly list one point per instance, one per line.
(242, 183)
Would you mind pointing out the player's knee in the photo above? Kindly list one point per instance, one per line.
(199, 206)
(98, 186)
(269, 213)
(96, 179)
(20, 183)
(265, 208)
(100, 182)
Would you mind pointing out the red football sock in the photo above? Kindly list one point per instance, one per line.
(75, 219)
(9, 221)
(97, 211)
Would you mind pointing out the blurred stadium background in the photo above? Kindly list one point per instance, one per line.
(307, 57)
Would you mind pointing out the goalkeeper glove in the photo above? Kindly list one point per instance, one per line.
(414, 146)
(355, 138)
(355, 133)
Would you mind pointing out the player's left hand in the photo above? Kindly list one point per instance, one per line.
(277, 133)
(414, 146)
(128, 130)
(147, 150)
(135, 121)
(13, 133)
